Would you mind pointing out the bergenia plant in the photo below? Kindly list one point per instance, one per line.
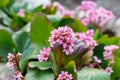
(67, 46)
(52, 42)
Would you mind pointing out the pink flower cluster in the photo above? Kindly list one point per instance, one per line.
(43, 56)
(97, 60)
(61, 10)
(108, 53)
(64, 37)
(87, 5)
(64, 76)
(98, 16)
(21, 13)
(87, 38)
(17, 75)
(109, 70)
(12, 62)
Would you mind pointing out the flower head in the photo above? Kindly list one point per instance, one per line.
(64, 37)
(43, 56)
(109, 50)
(87, 5)
(85, 21)
(87, 38)
(17, 75)
(64, 76)
(109, 70)
(10, 65)
(97, 60)
(10, 57)
(18, 56)
(21, 13)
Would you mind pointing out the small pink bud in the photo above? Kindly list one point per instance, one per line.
(10, 57)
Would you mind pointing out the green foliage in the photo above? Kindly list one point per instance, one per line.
(40, 30)
(92, 74)
(116, 68)
(40, 65)
(75, 24)
(3, 3)
(6, 43)
(36, 74)
(71, 68)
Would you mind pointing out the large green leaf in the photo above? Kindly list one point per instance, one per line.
(3, 3)
(75, 24)
(6, 43)
(36, 74)
(54, 19)
(92, 74)
(71, 68)
(40, 30)
(24, 45)
(116, 68)
(40, 65)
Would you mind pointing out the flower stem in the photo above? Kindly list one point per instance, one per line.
(60, 62)
(52, 63)
(17, 64)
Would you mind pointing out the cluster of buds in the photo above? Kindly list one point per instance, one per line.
(87, 39)
(13, 61)
(21, 13)
(109, 56)
(97, 16)
(64, 76)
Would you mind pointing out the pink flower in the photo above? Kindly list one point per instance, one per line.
(109, 50)
(68, 13)
(17, 75)
(105, 16)
(87, 5)
(10, 65)
(10, 57)
(109, 70)
(64, 76)
(59, 6)
(92, 15)
(21, 13)
(97, 60)
(87, 38)
(43, 56)
(63, 36)
(18, 56)
(85, 21)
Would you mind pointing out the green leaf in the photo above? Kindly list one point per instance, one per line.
(40, 30)
(71, 68)
(92, 74)
(38, 9)
(54, 19)
(116, 69)
(108, 41)
(3, 3)
(6, 29)
(6, 43)
(40, 65)
(24, 45)
(97, 34)
(87, 58)
(75, 24)
(36, 74)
